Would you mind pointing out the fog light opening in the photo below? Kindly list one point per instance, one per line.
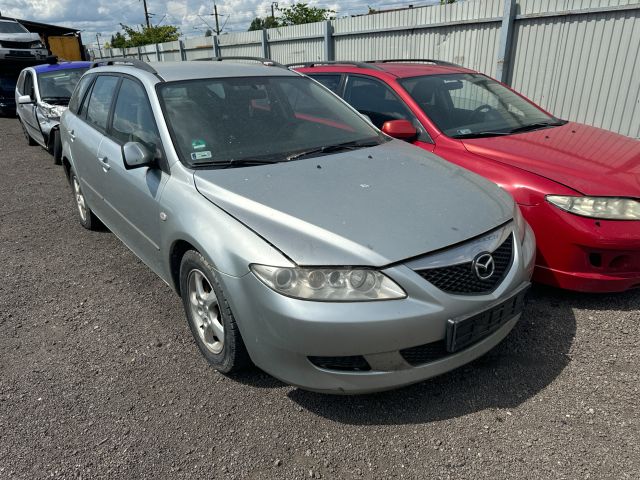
(595, 259)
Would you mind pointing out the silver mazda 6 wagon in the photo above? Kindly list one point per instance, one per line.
(300, 237)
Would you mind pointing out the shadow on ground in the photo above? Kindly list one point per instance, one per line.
(529, 359)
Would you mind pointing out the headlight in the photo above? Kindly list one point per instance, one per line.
(610, 208)
(37, 45)
(52, 112)
(329, 284)
(521, 224)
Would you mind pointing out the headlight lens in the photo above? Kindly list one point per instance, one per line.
(37, 45)
(610, 208)
(329, 284)
(521, 224)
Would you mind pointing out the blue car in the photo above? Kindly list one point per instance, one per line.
(42, 93)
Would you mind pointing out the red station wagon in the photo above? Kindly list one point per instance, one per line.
(577, 186)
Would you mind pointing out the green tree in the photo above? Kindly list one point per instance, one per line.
(262, 23)
(444, 2)
(118, 41)
(300, 13)
(208, 33)
(144, 36)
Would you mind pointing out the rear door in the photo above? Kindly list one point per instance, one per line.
(86, 133)
(131, 196)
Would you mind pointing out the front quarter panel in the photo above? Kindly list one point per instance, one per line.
(227, 244)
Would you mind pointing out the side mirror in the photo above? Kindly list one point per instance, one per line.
(136, 155)
(402, 129)
(25, 100)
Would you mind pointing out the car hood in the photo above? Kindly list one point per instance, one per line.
(589, 160)
(20, 37)
(373, 206)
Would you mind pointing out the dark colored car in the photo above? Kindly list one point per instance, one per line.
(577, 186)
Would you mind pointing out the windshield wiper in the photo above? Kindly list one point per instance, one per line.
(333, 148)
(536, 126)
(239, 162)
(480, 134)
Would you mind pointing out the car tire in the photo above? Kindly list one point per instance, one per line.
(209, 316)
(56, 150)
(87, 218)
(30, 140)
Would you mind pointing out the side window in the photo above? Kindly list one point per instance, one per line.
(332, 82)
(28, 85)
(132, 116)
(100, 100)
(377, 101)
(79, 92)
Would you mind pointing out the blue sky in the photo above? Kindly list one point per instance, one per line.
(104, 16)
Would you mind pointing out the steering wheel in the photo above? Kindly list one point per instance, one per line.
(481, 109)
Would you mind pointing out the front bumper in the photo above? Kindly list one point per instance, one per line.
(23, 54)
(281, 333)
(584, 254)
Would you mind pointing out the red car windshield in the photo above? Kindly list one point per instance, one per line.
(215, 121)
(468, 105)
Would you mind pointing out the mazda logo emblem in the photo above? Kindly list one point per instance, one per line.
(484, 266)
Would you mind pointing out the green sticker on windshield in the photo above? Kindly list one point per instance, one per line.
(197, 144)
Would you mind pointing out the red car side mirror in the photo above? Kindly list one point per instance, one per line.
(402, 129)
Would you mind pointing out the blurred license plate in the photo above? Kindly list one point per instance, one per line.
(465, 331)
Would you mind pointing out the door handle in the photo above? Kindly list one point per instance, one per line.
(105, 163)
(72, 135)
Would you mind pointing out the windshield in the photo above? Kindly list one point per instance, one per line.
(12, 27)
(467, 105)
(223, 120)
(57, 86)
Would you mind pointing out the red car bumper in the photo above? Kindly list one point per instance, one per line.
(584, 254)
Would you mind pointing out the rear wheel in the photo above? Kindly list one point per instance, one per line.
(30, 140)
(209, 316)
(87, 219)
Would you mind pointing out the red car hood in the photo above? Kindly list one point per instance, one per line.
(587, 159)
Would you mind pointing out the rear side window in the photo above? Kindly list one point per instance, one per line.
(132, 116)
(332, 82)
(79, 92)
(100, 100)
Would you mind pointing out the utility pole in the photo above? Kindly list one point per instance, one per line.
(215, 13)
(98, 35)
(146, 14)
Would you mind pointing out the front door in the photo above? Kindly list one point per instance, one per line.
(27, 112)
(132, 196)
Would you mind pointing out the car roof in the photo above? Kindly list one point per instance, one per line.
(60, 66)
(188, 70)
(397, 69)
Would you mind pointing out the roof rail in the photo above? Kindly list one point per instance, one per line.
(134, 62)
(334, 62)
(265, 61)
(411, 60)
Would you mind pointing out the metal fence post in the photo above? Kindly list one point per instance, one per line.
(506, 37)
(216, 47)
(265, 44)
(157, 52)
(329, 53)
(182, 52)
(139, 54)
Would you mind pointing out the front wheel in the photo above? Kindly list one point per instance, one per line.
(209, 316)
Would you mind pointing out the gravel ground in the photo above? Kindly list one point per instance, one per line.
(100, 378)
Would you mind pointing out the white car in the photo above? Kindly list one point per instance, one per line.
(18, 43)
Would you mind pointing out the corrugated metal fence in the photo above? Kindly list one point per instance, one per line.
(576, 58)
